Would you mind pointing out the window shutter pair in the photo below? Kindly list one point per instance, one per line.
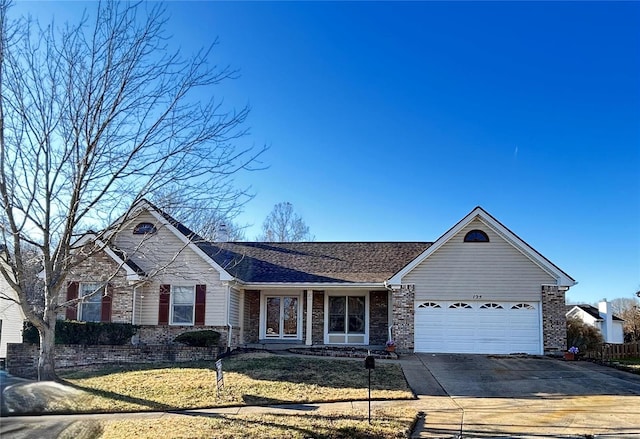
(165, 300)
(107, 299)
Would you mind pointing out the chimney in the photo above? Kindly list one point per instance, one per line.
(223, 233)
(607, 326)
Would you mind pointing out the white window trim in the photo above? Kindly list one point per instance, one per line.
(193, 305)
(81, 302)
(367, 319)
(263, 313)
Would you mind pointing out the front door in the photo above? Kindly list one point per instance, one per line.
(281, 317)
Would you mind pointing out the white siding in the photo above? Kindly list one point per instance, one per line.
(168, 260)
(12, 318)
(234, 312)
(464, 270)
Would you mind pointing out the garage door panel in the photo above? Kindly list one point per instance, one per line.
(477, 327)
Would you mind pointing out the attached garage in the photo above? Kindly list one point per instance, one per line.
(478, 327)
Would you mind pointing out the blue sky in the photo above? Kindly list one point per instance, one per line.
(391, 121)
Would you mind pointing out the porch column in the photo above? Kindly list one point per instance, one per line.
(309, 338)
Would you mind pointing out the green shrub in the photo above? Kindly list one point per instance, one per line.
(84, 333)
(583, 336)
(204, 338)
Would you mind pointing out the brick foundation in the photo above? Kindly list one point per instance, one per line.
(554, 322)
(22, 358)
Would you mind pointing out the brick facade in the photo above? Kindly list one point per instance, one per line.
(101, 268)
(154, 335)
(554, 322)
(22, 360)
(403, 319)
(317, 332)
(378, 317)
(251, 316)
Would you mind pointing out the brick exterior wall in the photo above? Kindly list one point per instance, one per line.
(403, 319)
(165, 334)
(22, 358)
(317, 331)
(554, 322)
(251, 316)
(100, 268)
(378, 317)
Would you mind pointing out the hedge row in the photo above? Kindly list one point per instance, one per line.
(84, 333)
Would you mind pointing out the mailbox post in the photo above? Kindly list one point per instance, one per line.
(369, 364)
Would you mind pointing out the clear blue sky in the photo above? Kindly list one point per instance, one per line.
(391, 121)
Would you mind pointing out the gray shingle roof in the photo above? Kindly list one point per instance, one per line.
(311, 262)
(592, 311)
(306, 262)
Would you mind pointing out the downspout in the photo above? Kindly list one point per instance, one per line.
(390, 313)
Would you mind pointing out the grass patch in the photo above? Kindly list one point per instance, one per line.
(250, 379)
(385, 423)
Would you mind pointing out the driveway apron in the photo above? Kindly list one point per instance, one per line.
(522, 397)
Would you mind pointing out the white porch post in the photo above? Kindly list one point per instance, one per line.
(309, 338)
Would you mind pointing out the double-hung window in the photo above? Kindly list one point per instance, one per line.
(182, 305)
(91, 304)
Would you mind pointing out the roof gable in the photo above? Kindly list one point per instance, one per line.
(188, 237)
(590, 310)
(133, 271)
(561, 277)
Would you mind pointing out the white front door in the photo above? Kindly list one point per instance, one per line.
(281, 317)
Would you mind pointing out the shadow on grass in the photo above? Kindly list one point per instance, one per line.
(151, 405)
(299, 370)
(315, 430)
(262, 400)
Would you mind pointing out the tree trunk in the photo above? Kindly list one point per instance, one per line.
(46, 361)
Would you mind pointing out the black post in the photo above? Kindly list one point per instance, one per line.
(369, 396)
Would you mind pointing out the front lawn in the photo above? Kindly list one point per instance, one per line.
(249, 379)
(385, 423)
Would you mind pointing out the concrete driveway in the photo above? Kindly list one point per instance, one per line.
(471, 396)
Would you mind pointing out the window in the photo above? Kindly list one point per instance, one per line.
(144, 229)
(182, 305)
(476, 236)
(460, 305)
(429, 305)
(347, 314)
(491, 305)
(91, 304)
(522, 306)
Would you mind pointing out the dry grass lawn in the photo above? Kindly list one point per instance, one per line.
(249, 379)
(387, 423)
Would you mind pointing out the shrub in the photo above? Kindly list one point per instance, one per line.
(84, 333)
(204, 338)
(585, 337)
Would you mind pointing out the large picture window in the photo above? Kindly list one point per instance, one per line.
(182, 305)
(91, 304)
(347, 314)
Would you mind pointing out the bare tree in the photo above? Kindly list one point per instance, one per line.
(95, 116)
(628, 309)
(284, 225)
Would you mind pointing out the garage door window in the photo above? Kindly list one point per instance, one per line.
(491, 306)
(460, 305)
(429, 305)
(522, 306)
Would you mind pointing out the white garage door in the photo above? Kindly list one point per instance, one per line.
(478, 327)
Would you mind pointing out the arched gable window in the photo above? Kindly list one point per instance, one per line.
(144, 229)
(476, 236)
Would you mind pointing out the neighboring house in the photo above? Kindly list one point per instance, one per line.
(610, 325)
(478, 288)
(11, 317)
